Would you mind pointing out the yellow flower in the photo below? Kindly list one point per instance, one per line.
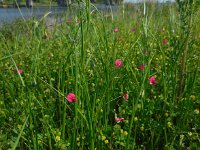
(59, 133)
(19, 126)
(63, 146)
(57, 138)
(121, 131)
(126, 121)
(196, 111)
(192, 97)
(125, 133)
(106, 141)
(39, 142)
(166, 114)
(190, 133)
(123, 111)
(135, 119)
(169, 124)
(103, 138)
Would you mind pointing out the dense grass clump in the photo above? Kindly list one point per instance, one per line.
(101, 81)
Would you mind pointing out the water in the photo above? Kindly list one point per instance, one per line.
(10, 14)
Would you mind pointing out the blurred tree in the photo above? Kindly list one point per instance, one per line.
(29, 3)
(62, 3)
(109, 2)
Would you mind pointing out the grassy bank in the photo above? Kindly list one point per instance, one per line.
(101, 81)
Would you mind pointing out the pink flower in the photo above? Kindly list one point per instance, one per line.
(118, 63)
(141, 67)
(118, 120)
(115, 30)
(20, 71)
(134, 30)
(152, 80)
(71, 97)
(164, 41)
(125, 96)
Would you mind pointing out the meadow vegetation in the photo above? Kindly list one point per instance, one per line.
(122, 81)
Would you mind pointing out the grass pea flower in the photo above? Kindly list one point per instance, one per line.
(152, 80)
(141, 67)
(164, 41)
(125, 96)
(133, 30)
(71, 97)
(118, 120)
(19, 71)
(118, 63)
(115, 30)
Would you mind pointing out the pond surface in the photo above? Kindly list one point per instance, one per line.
(11, 14)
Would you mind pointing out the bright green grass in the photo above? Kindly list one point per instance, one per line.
(79, 57)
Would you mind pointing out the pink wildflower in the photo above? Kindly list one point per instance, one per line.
(115, 30)
(118, 63)
(141, 67)
(118, 120)
(134, 30)
(20, 71)
(152, 80)
(71, 97)
(125, 96)
(164, 41)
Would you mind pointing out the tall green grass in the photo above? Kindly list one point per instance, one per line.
(78, 56)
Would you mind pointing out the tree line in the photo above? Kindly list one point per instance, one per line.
(29, 3)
